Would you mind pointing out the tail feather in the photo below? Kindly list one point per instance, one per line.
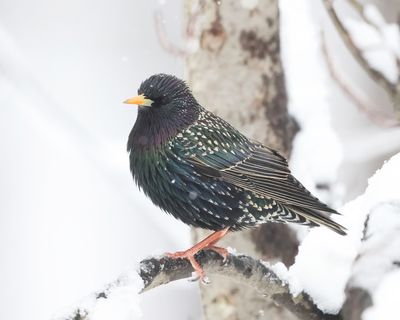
(320, 218)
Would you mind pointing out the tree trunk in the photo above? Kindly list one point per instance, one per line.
(237, 73)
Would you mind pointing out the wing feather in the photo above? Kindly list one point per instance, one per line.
(263, 171)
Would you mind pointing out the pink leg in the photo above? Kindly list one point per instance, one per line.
(207, 243)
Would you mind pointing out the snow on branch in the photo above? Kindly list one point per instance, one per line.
(377, 261)
(348, 274)
(364, 265)
(377, 33)
(380, 118)
(157, 271)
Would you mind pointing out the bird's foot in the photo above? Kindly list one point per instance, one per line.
(207, 243)
(221, 251)
(189, 255)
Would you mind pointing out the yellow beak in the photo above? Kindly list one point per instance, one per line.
(140, 100)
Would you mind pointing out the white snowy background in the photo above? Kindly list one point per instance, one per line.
(71, 219)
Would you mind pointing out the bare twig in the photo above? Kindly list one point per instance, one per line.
(241, 268)
(391, 89)
(378, 118)
(189, 35)
(358, 6)
(163, 38)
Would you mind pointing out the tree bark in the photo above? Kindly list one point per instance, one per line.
(254, 274)
(237, 73)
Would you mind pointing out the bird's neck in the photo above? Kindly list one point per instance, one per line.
(154, 128)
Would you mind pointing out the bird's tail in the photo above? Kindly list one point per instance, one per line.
(319, 218)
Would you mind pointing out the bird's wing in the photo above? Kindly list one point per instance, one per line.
(262, 171)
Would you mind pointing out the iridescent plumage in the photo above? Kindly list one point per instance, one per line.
(197, 167)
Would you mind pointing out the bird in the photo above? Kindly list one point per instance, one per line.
(198, 168)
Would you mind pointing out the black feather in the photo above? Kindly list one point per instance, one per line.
(200, 169)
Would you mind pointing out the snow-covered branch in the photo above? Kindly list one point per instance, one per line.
(157, 271)
(360, 270)
(380, 118)
(376, 264)
(388, 78)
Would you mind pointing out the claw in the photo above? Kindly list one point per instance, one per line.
(207, 243)
(205, 280)
(221, 251)
(189, 255)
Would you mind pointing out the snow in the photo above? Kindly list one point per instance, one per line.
(373, 15)
(317, 151)
(283, 273)
(364, 35)
(280, 269)
(323, 264)
(379, 42)
(71, 217)
(382, 236)
(121, 305)
(123, 302)
(391, 33)
(325, 259)
(386, 301)
(384, 61)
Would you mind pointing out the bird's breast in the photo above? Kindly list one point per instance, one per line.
(175, 186)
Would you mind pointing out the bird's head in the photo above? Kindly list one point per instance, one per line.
(162, 91)
(166, 105)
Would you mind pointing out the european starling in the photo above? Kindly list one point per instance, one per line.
(197, 167)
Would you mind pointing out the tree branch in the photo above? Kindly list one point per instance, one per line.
(392, 89)
(157, 271)
(375, 115)
(190, 37)
(379, 251)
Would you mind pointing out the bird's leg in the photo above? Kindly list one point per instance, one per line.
(207, 243)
